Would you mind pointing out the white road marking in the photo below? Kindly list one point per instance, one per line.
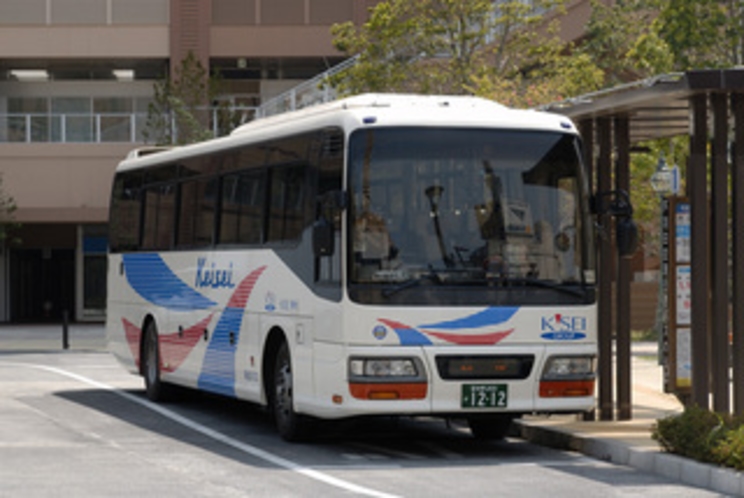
(245, 448)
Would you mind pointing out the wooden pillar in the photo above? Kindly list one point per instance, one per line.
(719, 255)
(622, 285)
(586, 128)
(604, 170)
(737, 250)
(697, 186)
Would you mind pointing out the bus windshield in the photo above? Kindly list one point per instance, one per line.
(467, 208)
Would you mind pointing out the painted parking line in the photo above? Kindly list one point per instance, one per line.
(217, 436)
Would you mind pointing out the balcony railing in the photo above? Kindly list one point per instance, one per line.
(91, 128)
(314, 91)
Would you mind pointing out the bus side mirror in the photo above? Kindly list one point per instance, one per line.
(323, 238)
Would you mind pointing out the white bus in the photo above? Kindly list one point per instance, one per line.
(378, 255)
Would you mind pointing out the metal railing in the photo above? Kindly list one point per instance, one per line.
(98, 128)
(311, 92)
(71, 128)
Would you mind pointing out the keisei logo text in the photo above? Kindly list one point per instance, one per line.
(560, 327)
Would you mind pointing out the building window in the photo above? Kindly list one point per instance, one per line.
(283, 12)
(23, 12)
(79, 12)
(139, 11)
(72, 120)
(327, 12)
(233, 12)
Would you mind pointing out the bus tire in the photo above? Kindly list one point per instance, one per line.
(291, 425)
(155, 389)
(492, 427)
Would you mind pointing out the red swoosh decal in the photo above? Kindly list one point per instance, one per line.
(240, 297)
(395, 325)
(174, 346)
(471, 339)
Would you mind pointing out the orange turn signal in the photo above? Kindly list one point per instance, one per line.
(414, 390)
(566, 388)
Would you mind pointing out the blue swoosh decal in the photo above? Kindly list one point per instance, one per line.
(218, 370)
(487, 317)
(152, 279)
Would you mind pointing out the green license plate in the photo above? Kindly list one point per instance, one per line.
(484, 396)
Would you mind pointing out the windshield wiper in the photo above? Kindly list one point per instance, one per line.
(432, 276)
(531, 282)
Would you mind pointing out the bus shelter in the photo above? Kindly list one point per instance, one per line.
(707, 105)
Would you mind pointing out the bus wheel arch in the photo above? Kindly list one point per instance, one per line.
(278, 385)
(274, 341)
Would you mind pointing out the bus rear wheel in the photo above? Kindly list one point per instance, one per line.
(492, 427)
(154, 387)
(291, 425)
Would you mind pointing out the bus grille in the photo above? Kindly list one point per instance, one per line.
(485, 367)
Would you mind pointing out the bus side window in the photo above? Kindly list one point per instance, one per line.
(287, 205)
(125, 212)
(159, 217)
(241, 220)
(150, 218)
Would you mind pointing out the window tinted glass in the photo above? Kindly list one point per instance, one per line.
(197, 213)
(160, 206)
(242, 209)
(288, 203)
(125, 213)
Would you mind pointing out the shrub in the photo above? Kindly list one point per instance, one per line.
(730, 450)
(696, 433)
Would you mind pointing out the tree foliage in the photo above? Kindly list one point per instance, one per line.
(454, 47)
(180, 112)
(623, 41)
(703, 33)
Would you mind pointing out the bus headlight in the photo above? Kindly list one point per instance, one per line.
(383, 367)
(568, 376)
(387, 378)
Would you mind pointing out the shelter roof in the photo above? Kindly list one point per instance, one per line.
(657, 107)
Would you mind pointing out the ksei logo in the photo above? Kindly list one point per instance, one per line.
(561, 327)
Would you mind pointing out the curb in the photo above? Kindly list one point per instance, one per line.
(684, 470)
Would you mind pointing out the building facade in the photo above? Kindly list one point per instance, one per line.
(76, 79)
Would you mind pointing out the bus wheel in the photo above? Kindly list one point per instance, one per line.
(154, 387)
(492, 427)
(290, 425)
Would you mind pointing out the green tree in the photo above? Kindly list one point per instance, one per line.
(444, 46)
(703, 33)
(624, 42)
(180, 112)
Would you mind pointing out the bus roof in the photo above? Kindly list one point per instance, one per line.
(364, 111)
